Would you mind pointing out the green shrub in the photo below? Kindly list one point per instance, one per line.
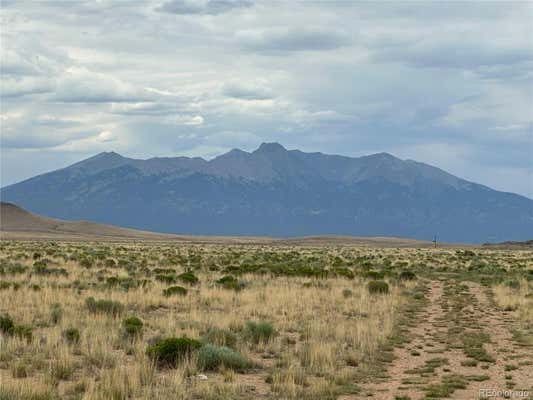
(345, 272)
(56, 313)
(188, 277)
(41, 268)
(211, 358)
(231, 282)
(113, 281)
(132, 327)
(347, 293)
(378, 287)
(513, 284)
(168, 352)
(72, 335)
(6, 324)
(12, 268)
(473, 343)
(166, 278)
(374, 274)
(220, 337)
(259, 332)
(407, 276)
(104, 306)
(8, 327)
(110, 263)
(23, 332)
(175, 290)
(450, 383)
(86, 263)
(226, 279)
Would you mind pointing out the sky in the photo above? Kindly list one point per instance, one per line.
(446, 83)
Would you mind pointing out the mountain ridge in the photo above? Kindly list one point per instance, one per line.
(273, 191)
(111, 159)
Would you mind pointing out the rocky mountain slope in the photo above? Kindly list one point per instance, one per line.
(276, 192)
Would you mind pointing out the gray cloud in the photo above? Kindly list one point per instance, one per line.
(454, 54)
(247, 92)
(507, 72)
(292, 39)
(212, 7)
(18, 87)
(448, 83)
(14, 63)
(39, 140)
(436, 10)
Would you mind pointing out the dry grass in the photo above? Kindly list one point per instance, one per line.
(518, 297)
(324, 336)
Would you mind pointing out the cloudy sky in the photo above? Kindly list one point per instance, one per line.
(447, 83)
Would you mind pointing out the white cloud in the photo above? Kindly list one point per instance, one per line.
(106, 136)
(191, 120)
(80, 85)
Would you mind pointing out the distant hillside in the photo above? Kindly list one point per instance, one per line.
(14, 219)
(277, 192)
(525, 245)
(17, 223)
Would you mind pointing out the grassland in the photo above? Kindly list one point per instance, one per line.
(208, 321)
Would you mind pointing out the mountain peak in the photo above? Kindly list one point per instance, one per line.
(105, 156)
(109, 155)
(270, 148)
(102, 161)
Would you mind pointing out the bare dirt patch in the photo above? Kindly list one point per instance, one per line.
(439, 361)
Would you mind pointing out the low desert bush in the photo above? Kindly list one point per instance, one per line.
(258, 332)
(188, 277)
(166, 278)
(132, 327)
(230, 282)
(110, 307)
(347, 293)
(175, 290)
(378, 287)
(407, 275)
(72, 335)
(211, 357)
(9, 328)
(6, 324)
(56, 313)
(170, 351)
(374, 274)
(23, 332)
(220, 337)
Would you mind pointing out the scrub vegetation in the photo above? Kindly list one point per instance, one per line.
(190, 321)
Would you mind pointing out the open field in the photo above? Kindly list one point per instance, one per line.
(262, 321)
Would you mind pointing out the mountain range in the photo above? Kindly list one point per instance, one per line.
(277, 192)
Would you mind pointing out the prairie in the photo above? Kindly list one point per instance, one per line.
(93, 320)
